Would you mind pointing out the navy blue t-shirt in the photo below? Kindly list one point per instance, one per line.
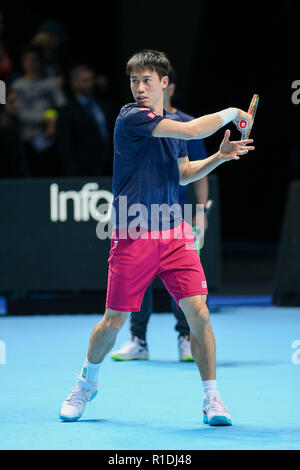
(196, 151)
(145, 167)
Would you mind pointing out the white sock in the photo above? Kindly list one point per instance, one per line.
(90, 372)
(210, 389)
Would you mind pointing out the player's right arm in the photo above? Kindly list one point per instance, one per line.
(201, 127)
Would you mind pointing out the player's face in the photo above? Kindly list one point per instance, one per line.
(147, 88)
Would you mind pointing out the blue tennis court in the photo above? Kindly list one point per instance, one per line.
(155, 404)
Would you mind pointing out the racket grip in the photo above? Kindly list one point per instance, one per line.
(196, 242)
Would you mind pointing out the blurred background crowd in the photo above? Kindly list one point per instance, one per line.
(65, 79)
(58, 117)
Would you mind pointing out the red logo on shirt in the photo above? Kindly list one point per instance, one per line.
(152, 115)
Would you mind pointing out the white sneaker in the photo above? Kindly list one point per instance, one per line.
(215, 412)
(73, 406)
(131, 350)
(184, 348)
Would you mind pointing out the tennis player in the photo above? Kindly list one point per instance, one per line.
(150, 160)
(136, 348)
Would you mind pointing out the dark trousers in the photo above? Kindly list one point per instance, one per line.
(139, 320)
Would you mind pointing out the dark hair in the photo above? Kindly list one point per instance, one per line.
(172, 76)
(150, 59)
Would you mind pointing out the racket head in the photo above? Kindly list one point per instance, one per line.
(252, 110)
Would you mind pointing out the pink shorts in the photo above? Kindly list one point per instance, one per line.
(133, 264)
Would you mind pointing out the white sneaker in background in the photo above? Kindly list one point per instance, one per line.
(131, 350)
(184, 348)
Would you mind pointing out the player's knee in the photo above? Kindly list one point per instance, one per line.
(114, 322)
(203, 313)
(199, 314)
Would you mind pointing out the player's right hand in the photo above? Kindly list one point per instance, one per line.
(243, 121)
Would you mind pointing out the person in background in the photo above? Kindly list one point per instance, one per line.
(84, 129)
(59, 57)
(136, 347)
(55, 46)
(12, 163)
(39, 102)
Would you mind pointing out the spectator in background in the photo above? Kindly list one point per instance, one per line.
(84, 129)
(6, 66)
(39, 99)
(54, 43)
(12, 163)
(196, 150)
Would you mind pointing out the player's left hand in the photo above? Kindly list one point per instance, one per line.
(231, 150)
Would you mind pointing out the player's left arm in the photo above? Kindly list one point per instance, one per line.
(229, 150)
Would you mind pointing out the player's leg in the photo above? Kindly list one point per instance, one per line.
(136, 348)
(183, 276)
(202, 337)
(104, 335)
(203, 349)
(132, 267)
(102, 339)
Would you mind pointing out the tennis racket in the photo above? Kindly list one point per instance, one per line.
(252, 110)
